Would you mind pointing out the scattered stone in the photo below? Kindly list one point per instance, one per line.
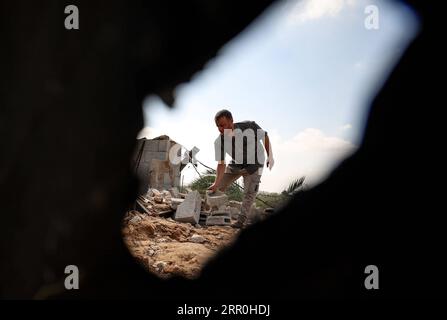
(135, 220)
(197, 239)
(198, 226)
(151, 252)
(160, 265)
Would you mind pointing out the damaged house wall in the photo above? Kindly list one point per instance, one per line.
(153, 166)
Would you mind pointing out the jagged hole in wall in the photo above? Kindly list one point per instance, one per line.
(305, 72)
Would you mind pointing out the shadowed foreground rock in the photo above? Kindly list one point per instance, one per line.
(71, 109)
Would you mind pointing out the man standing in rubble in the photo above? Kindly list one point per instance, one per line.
(242, 141)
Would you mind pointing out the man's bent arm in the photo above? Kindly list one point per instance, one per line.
(220, 172)
(268, 146)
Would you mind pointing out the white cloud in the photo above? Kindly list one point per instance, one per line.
(346, 127)
(315, 9)
(310, 153)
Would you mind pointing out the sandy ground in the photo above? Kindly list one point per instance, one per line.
(166, 247)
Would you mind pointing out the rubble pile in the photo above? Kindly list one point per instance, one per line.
(174, 233)
(189, 207)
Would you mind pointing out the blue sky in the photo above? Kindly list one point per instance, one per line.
(305, 71)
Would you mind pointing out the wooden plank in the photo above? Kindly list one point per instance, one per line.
(141, 205)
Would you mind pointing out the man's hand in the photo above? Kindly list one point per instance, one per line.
(213, 188)
(270, 162)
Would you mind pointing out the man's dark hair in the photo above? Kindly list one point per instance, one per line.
(223, 113)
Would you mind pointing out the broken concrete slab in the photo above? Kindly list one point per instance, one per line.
(189, 209)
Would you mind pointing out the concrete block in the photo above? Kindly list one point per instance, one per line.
(189, 209)
(215, 200)
(218, 221)
(220, 213)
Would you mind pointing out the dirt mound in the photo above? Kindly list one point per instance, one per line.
(167, 247)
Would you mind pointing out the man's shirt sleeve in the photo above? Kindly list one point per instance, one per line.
(261, 134)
